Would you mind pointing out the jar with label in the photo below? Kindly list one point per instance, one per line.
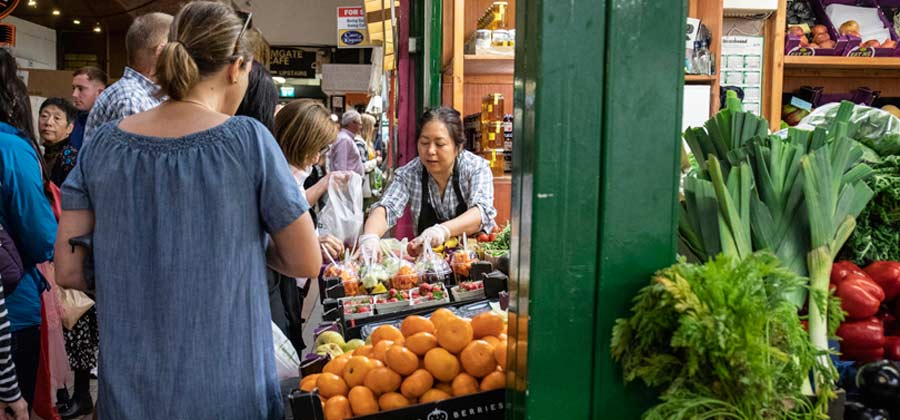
(500, 38)
(507, 161)
(492, 108)
(495, 159)
(492, 135)
(507, 132)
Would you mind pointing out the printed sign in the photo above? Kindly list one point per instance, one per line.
(7, 7)
(742, 66)
(351, 27)
(293, 62)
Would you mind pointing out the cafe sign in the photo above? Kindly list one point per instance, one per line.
(293, 62)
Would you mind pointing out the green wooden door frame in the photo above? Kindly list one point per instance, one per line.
(598, 119)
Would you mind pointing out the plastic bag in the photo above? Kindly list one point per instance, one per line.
(54, 372)
(287, 363)
(873, 127)
(73, 304)
(342, 215)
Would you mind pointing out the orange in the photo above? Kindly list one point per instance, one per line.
(331, 385)
(495, 380)
(478, 359)
(502, 337)
(308, 383)
(356, 369)
(364, 351)
(416, 324)
(382, 380)
(379, 352)
(336, 365)
(487, 323)
(337, 408)
(362, 401)
(500, 354)
(386, 332)
(444, 386)
(454, 334)
(416, 384)
(443, 365)
(392, 400)
(441, 315)
(377, 363)
(421, 342)
(464, 384)
(433, 395)
(493, 341)
(401, 360)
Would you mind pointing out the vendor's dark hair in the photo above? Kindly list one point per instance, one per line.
(64, 106)
(16, 110)
(261, 97)
(451, 119)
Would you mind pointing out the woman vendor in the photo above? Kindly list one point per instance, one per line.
(450, 190)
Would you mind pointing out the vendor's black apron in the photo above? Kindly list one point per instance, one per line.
(427, 215)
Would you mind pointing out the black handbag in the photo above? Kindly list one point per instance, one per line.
(11, 267)
(86, 242)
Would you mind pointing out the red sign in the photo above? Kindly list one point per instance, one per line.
(7, 7)
(345, 12)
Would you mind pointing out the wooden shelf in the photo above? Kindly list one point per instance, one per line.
(841, 63)
(699, 78)
(485, 64)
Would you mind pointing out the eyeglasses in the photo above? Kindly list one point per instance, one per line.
(237, 43)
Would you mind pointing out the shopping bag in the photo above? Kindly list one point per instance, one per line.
(342, 216)
(287, 363)
(73, 304)
(54, 372)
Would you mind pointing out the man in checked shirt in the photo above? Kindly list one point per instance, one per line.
(135, 92)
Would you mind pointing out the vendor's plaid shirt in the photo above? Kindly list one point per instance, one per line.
(132, 94)
(476, 185)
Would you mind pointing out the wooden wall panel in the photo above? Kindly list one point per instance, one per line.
(477, 87)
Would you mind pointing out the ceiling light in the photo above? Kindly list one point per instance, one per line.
(77, 22)
(32, 3)
(55, 12)
(97, 28)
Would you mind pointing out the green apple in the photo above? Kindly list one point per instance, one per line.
(353, 345)
(328, 337)
(330, 348)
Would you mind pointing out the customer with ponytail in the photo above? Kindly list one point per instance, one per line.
(181, 200)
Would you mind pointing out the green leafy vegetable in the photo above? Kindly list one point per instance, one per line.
(500, 245)
(720, 340)
(877, 234)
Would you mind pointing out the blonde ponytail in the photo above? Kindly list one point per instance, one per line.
(176, 71)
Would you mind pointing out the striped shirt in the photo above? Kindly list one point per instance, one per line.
(9, 386)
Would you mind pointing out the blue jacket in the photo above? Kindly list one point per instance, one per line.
(77, 136)
(27, 215)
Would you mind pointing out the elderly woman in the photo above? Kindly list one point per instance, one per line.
(55, 125)
(449, 190)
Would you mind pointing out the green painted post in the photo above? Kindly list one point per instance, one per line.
(436, 52)
(641, 155)
(598, 119)
(559, 106)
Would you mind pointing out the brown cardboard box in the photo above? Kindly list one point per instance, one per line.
(50, 83)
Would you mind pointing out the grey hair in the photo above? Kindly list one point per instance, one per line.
(145, 34)
(349, 117)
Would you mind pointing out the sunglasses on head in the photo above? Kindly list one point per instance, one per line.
(246, 16)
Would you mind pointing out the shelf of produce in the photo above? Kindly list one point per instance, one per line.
(792, 63)
(699, 79)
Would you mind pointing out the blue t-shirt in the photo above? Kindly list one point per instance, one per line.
(27, 215)
(77, 136)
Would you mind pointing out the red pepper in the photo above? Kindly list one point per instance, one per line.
(860, 297)
(862, 355)
(841, 269)
(892, 348)
(865, 334)
(887, 275)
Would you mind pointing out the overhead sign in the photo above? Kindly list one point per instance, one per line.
(351, 28)
(7, 7)
(295, 62)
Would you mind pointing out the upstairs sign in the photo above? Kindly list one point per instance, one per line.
(294, 62)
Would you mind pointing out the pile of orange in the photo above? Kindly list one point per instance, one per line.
(425, 360)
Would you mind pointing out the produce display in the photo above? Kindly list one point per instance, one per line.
(869, 298)
(817, 38)
(713, 338)
(424, 360)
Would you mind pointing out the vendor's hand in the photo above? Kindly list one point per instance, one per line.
(370, 246)
(19, 408)
(433, 236)
(331, 247)
(340, 177)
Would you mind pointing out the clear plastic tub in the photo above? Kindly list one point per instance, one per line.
(461, 263)
(348, 276)
(433, 269)
(406, 277)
